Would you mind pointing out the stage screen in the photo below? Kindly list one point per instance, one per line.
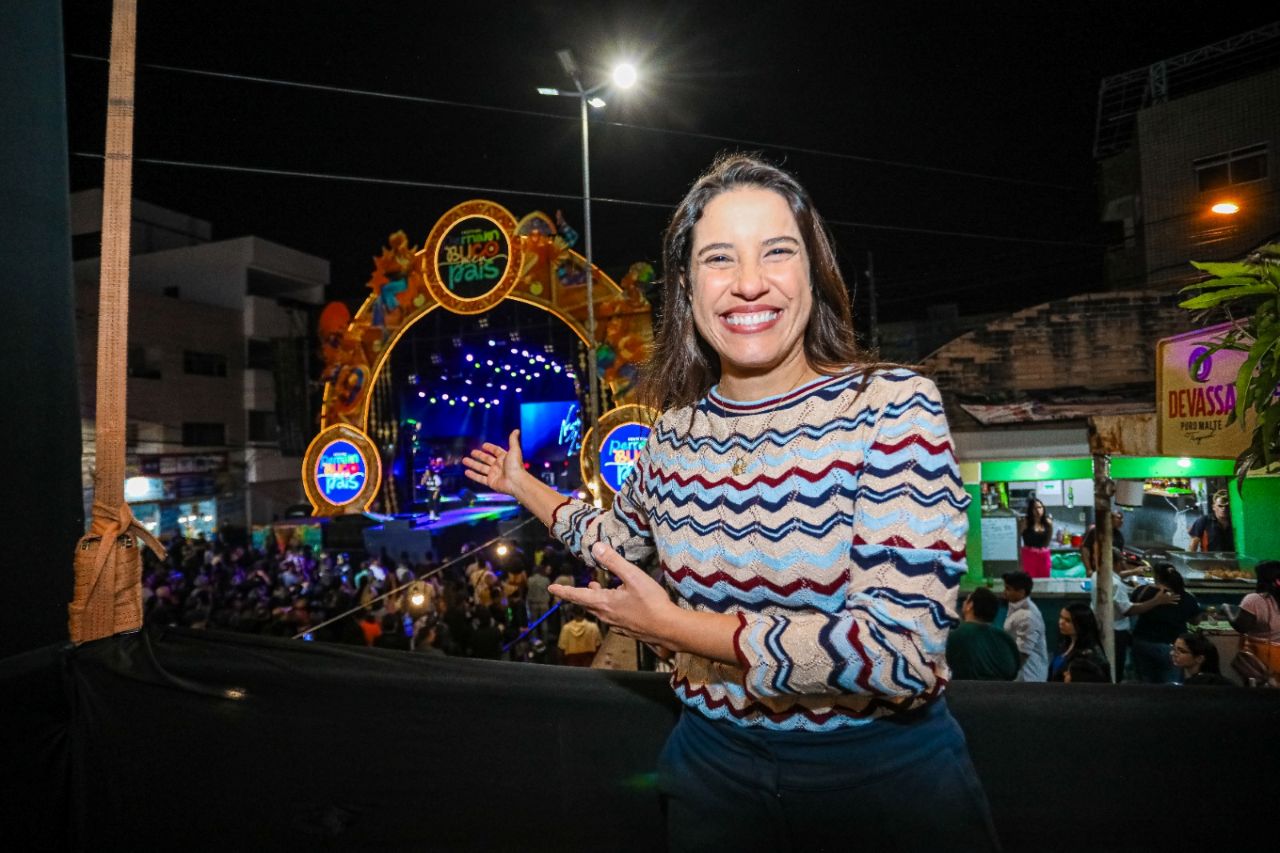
(550, 432)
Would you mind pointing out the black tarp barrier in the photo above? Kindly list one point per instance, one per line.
(41, 497)
(190, 740)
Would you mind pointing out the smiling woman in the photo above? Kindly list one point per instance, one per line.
(805, 510)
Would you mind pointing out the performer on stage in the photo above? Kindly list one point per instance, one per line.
(431, 482)
(806, 512)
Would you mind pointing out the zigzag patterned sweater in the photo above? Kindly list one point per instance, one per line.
(840, 545)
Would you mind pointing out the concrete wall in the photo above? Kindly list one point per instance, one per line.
(212, 313)
(1092, 341)
(170, 327)
(1177, 224)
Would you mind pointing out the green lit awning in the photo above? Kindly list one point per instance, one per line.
(1122, 468)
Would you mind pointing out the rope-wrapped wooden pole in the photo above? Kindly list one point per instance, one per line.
(108, 594)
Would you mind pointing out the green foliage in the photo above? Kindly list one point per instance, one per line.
(1247, 294)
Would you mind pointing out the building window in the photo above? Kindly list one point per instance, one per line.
(204, 434)
(204, 363)
(263, 427)
(1240, 166)
(262, 283)
(261, 354)
(144, 362)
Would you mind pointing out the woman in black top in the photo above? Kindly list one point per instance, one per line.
(1197, 657)
(1164, 607)
(1079, 639)
(1037, 533)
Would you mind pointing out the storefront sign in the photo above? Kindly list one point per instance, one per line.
(341, 471)
(472, 257)
(1195, 394)
(153, 465)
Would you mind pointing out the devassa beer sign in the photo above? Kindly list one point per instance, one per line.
(1195, 393)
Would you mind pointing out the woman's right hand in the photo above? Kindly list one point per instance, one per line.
(490, 465)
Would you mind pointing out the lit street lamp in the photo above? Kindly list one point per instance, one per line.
(624, 76)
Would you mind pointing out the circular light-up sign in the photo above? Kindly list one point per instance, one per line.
(472, 259)
(341, 472)
(618, 451)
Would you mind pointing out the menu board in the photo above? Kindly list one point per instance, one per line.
(999, 538)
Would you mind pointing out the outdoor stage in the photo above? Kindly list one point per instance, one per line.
(469, 517)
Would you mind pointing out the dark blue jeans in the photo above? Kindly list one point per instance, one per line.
(904, 783)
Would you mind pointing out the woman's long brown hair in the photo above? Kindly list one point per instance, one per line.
(682, 366)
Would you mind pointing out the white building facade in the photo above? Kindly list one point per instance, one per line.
(212, 324)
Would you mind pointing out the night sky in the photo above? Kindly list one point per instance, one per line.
(971, 118)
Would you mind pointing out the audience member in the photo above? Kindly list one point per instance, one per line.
(1084, 670)
(1163, 609)
(579, 638)
(1025, 624)
(1121, 608)
(537, 599)
(977, 649)
(1259, 616)
(1197, 657)
(1078, 638)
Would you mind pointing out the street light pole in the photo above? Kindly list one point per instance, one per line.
(593, 378)
(624, 76)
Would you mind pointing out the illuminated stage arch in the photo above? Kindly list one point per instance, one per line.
(475, 257)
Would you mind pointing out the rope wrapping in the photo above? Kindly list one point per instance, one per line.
(108, 565)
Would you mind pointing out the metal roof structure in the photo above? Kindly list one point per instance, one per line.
(1121, 96)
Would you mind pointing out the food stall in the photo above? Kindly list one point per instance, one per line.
(1159, 496)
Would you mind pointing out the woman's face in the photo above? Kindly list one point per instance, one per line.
(1065, 626)
(1037, 510)
(750, 277)
(1182, 657)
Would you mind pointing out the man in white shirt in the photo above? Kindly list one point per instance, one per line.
(1024, 622)
(1121, 614)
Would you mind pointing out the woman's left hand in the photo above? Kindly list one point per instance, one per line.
(640, 607)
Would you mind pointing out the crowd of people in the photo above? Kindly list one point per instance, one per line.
(487, 603)
(1156, 638)
(495, 605)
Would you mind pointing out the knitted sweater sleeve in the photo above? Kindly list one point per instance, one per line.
(625, 526)
(906, 560)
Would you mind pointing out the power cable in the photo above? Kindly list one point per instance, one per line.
(420, 99)
(418, 184)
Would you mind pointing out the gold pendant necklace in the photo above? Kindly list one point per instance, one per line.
(742, 461)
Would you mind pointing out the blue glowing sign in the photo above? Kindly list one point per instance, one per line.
(341, 472)
(618, 451)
